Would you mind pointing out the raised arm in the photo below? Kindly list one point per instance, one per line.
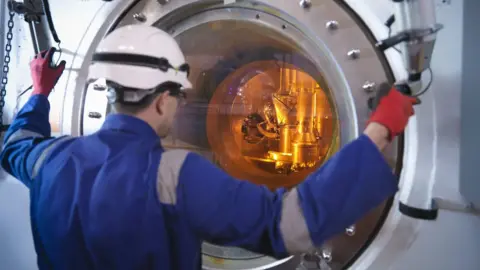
(226, 211)
(27, 140)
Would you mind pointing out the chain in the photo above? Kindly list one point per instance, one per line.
(6, 67)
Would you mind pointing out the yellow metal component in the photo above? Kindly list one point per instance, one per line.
(281, 122)
(297, 113)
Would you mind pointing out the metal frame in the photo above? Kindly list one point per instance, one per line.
(344, 73)
(347, 75)
(347, 60)
(418, 171)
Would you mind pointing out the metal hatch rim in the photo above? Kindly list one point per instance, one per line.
(128, 6)
(177, 9)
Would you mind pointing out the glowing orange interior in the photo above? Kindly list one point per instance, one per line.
(272, 129)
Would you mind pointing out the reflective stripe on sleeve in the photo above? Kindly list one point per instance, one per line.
(168, 175)
(293, 226)
(22, 134)
(41, 159)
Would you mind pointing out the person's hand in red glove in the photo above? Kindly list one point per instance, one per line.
(392, 110)
(44, 73)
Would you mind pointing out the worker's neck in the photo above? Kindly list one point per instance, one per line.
(153, 122)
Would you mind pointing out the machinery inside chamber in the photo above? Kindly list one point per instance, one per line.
(279, 119)
(259, 109)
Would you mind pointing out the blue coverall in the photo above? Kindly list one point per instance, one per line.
(117, 200)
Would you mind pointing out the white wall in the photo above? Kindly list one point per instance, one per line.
(16, 244)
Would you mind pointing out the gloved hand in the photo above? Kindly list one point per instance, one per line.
(44, 74)
(392, 109)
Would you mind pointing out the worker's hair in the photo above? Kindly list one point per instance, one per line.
(133, 109)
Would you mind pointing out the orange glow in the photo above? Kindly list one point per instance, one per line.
(272, 129)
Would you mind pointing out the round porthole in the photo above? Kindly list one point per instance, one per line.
(276, 93)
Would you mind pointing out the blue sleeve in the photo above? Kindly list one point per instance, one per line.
(26, 139)
(226, 211)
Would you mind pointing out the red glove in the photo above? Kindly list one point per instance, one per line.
(44, 74)
(392, 109)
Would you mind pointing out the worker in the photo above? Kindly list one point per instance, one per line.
(116, 199)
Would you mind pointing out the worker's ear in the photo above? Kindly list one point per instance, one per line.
(160, 102)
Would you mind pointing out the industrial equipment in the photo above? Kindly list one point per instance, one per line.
(265, 107)
(279, 87)
(417, 36)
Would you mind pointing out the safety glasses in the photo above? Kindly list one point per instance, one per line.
(127, 95)
(181, 96)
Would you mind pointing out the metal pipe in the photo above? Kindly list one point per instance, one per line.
(417, 19)
(416, 14)
(38, 25)
(39, 33)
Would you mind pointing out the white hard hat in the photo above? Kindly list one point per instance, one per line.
(140, 57)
